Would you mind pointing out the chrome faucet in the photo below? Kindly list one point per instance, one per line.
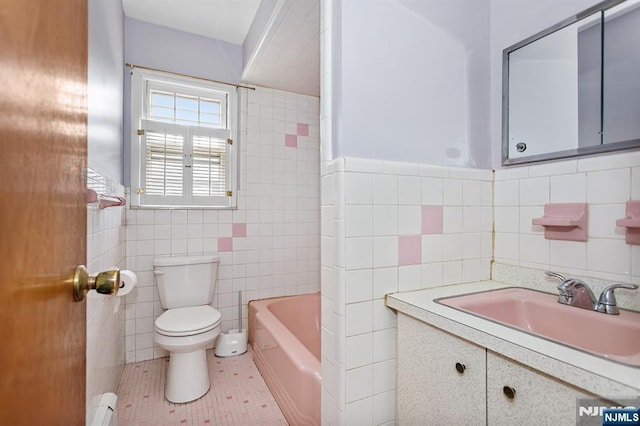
(575, 292)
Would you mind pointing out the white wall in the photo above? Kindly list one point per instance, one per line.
(406, 87)
(401, 80)
(388, 227)
(605, 182)
(106, 47)
(105, 228)
(105, 314)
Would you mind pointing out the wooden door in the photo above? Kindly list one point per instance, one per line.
(43, 138)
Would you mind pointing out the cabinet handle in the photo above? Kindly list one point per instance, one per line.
(509, 392)
(460, 368)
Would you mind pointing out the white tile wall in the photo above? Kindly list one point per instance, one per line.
(105, 314)
(367, 206)
(278, 200)
(605, 182)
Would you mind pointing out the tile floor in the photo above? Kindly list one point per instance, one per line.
(238, 396)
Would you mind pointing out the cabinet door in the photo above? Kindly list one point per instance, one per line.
(430, 389)
(519, 395)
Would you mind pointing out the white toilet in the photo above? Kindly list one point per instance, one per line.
(186, 285)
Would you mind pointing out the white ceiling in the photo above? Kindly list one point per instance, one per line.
(289, 54)
(226, 20)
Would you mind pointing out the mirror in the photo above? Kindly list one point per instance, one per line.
(573, 89)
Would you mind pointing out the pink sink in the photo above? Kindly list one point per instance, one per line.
(616, 337)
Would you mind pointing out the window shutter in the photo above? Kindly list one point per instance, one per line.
(163, 150)
(210, 157)
(209, 166)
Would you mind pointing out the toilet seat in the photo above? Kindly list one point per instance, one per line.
(188, 321)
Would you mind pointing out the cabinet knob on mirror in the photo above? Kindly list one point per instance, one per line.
(509, 392)
(521, 147)
(460, 368)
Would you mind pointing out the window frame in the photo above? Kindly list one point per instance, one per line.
(142, 81)
(188, 91)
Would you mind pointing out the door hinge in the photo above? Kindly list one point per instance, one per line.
(229, 193)
(140, 132)
(230, 141)
(139, 191)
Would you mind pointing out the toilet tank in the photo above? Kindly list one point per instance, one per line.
(185, 280)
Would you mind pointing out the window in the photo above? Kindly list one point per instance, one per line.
(182, 150)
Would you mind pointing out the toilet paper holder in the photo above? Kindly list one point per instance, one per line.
(106, 282)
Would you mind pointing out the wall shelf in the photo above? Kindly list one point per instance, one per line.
(631, 222)
(565, 221)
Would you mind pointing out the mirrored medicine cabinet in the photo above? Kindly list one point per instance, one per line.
(574, 88)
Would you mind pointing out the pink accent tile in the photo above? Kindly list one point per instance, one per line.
(225, 244)
(303, 129)
(432, 219)
(239, 230)
(291, 140)
(409, 250)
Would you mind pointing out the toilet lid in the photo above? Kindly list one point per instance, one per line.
(190, 320)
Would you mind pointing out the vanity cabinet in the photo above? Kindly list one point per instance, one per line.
(517, 394)
(441, 378)
(444, 379)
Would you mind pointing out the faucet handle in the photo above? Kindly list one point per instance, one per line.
(607, 301)
(565, 295)
(555, 275)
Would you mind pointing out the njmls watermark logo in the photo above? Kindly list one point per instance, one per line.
(623, 412)
(621, 416)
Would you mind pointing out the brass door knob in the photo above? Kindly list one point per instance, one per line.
(106, 282)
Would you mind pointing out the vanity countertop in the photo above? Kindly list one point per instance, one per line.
(598, 375)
